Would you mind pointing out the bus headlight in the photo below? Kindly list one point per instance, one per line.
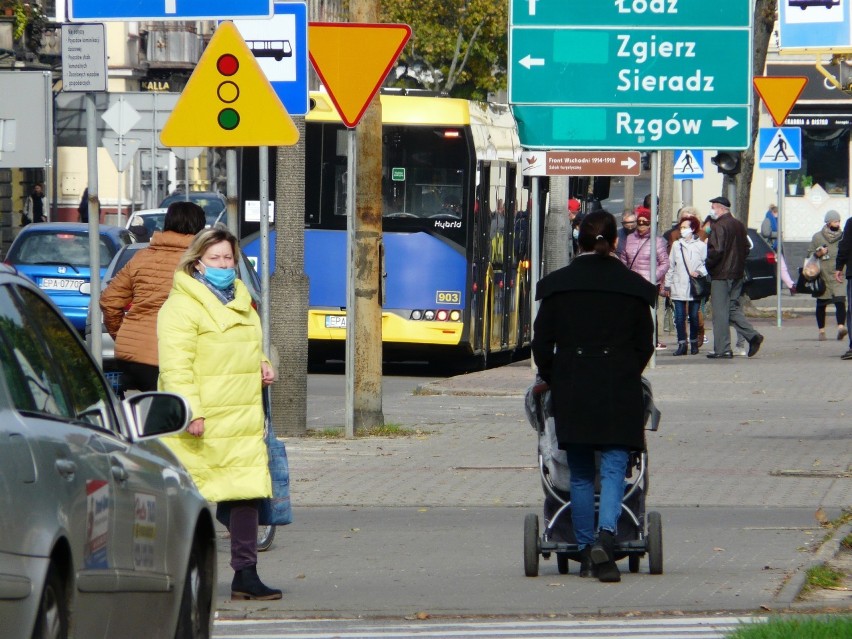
(455, 316)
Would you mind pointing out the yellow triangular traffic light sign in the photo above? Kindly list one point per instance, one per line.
(228, 101)
(779, 94)
(353, 59)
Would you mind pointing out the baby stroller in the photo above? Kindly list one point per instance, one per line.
(638, 533)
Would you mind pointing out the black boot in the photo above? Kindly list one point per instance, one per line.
(681, 349)
(247, 585)
(587, 566)
(693, 347)
(603, 556)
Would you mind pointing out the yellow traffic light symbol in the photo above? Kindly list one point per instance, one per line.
(228, 101)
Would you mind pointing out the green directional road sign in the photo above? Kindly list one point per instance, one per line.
(632, 13)
(633, 127)
(631, 74)
(636, 66)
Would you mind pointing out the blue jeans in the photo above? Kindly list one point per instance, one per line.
(682, 310)
(581, 462)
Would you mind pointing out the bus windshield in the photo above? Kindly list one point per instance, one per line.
(425, 170)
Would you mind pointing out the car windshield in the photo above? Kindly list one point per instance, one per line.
(59, 248)
(212, 204)
(151, 221)
(124, 257)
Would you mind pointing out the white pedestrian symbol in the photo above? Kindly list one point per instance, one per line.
(779, 150)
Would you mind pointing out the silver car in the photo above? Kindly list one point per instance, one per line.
(102, 531)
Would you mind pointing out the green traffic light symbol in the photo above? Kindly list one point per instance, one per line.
(228, 91)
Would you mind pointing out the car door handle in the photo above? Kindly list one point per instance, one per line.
(119, 473)
(66, 468)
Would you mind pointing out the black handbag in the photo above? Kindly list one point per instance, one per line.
(815, 286)
(699, 287)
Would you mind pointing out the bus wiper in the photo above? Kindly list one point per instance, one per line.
(76, 270)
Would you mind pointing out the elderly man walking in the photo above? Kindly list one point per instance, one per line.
(726, 254)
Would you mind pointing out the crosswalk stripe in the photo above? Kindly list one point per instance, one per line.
(670, 628)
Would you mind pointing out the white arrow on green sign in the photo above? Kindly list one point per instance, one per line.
(632, 13)
(633, 127)
(637, 66)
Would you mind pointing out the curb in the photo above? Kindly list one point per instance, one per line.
(794, 585)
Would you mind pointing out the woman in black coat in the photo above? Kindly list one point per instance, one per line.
(593, 338)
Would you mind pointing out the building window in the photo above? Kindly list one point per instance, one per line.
(825, 157)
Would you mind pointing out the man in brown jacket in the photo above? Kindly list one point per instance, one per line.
(132, 300)
(726, 254)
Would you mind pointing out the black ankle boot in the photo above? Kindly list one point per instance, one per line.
(247, 585)
(693, 348)
(603, 556)
(587, 566)
(681, 349)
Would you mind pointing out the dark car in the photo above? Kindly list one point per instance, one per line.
(245, 272)
(761, 265)
(214, 204)
(56, 257)
(104, 533)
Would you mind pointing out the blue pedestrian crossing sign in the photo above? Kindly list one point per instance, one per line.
(689, 164)
(780, 148)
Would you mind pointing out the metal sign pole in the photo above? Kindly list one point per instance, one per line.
(778, 247)
(263, 160)
(535, 254)
(351, 148)
(652, 245)
(95, 341)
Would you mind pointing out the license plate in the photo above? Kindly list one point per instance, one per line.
(335, 321)
(60, 284)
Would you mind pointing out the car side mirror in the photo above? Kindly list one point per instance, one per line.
(157, 414)
(86, 288)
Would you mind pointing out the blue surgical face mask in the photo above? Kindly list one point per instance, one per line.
(220, 278)
(576, 233)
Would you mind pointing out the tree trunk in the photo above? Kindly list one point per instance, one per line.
(288, 291)
(367, 369)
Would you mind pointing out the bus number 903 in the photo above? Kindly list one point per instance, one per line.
(448, 297)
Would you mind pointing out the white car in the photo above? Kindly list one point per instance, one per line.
(102, 531)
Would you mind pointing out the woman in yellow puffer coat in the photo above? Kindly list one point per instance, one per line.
(209, 342)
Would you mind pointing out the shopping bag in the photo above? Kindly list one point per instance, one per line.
(815, 287)
(275, 510)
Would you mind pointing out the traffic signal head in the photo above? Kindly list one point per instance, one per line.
(727, 162)
(227, 65)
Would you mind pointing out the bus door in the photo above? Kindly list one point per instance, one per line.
(479, 260)
(497, 233)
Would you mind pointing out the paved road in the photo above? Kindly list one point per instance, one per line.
(747, 450)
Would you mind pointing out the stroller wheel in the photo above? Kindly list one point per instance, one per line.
(265, 535)
(531, 545)
(633, 563)
(562, 563)
(655, 543)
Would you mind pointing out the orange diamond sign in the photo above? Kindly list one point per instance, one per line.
(779, 94)
(353, 59)
(228, 101)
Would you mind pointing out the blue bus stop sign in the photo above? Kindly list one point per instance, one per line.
(101, 11)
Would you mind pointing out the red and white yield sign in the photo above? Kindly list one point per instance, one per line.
(538, 163)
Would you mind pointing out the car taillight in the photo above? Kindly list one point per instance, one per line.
(770, 257)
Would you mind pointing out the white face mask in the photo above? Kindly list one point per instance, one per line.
(576, 233)
(686, 233)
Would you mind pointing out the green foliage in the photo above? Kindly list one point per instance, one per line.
(822, 576)
(817, 627)
(456, 46)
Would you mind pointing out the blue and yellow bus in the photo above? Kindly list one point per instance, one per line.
(455, 231)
